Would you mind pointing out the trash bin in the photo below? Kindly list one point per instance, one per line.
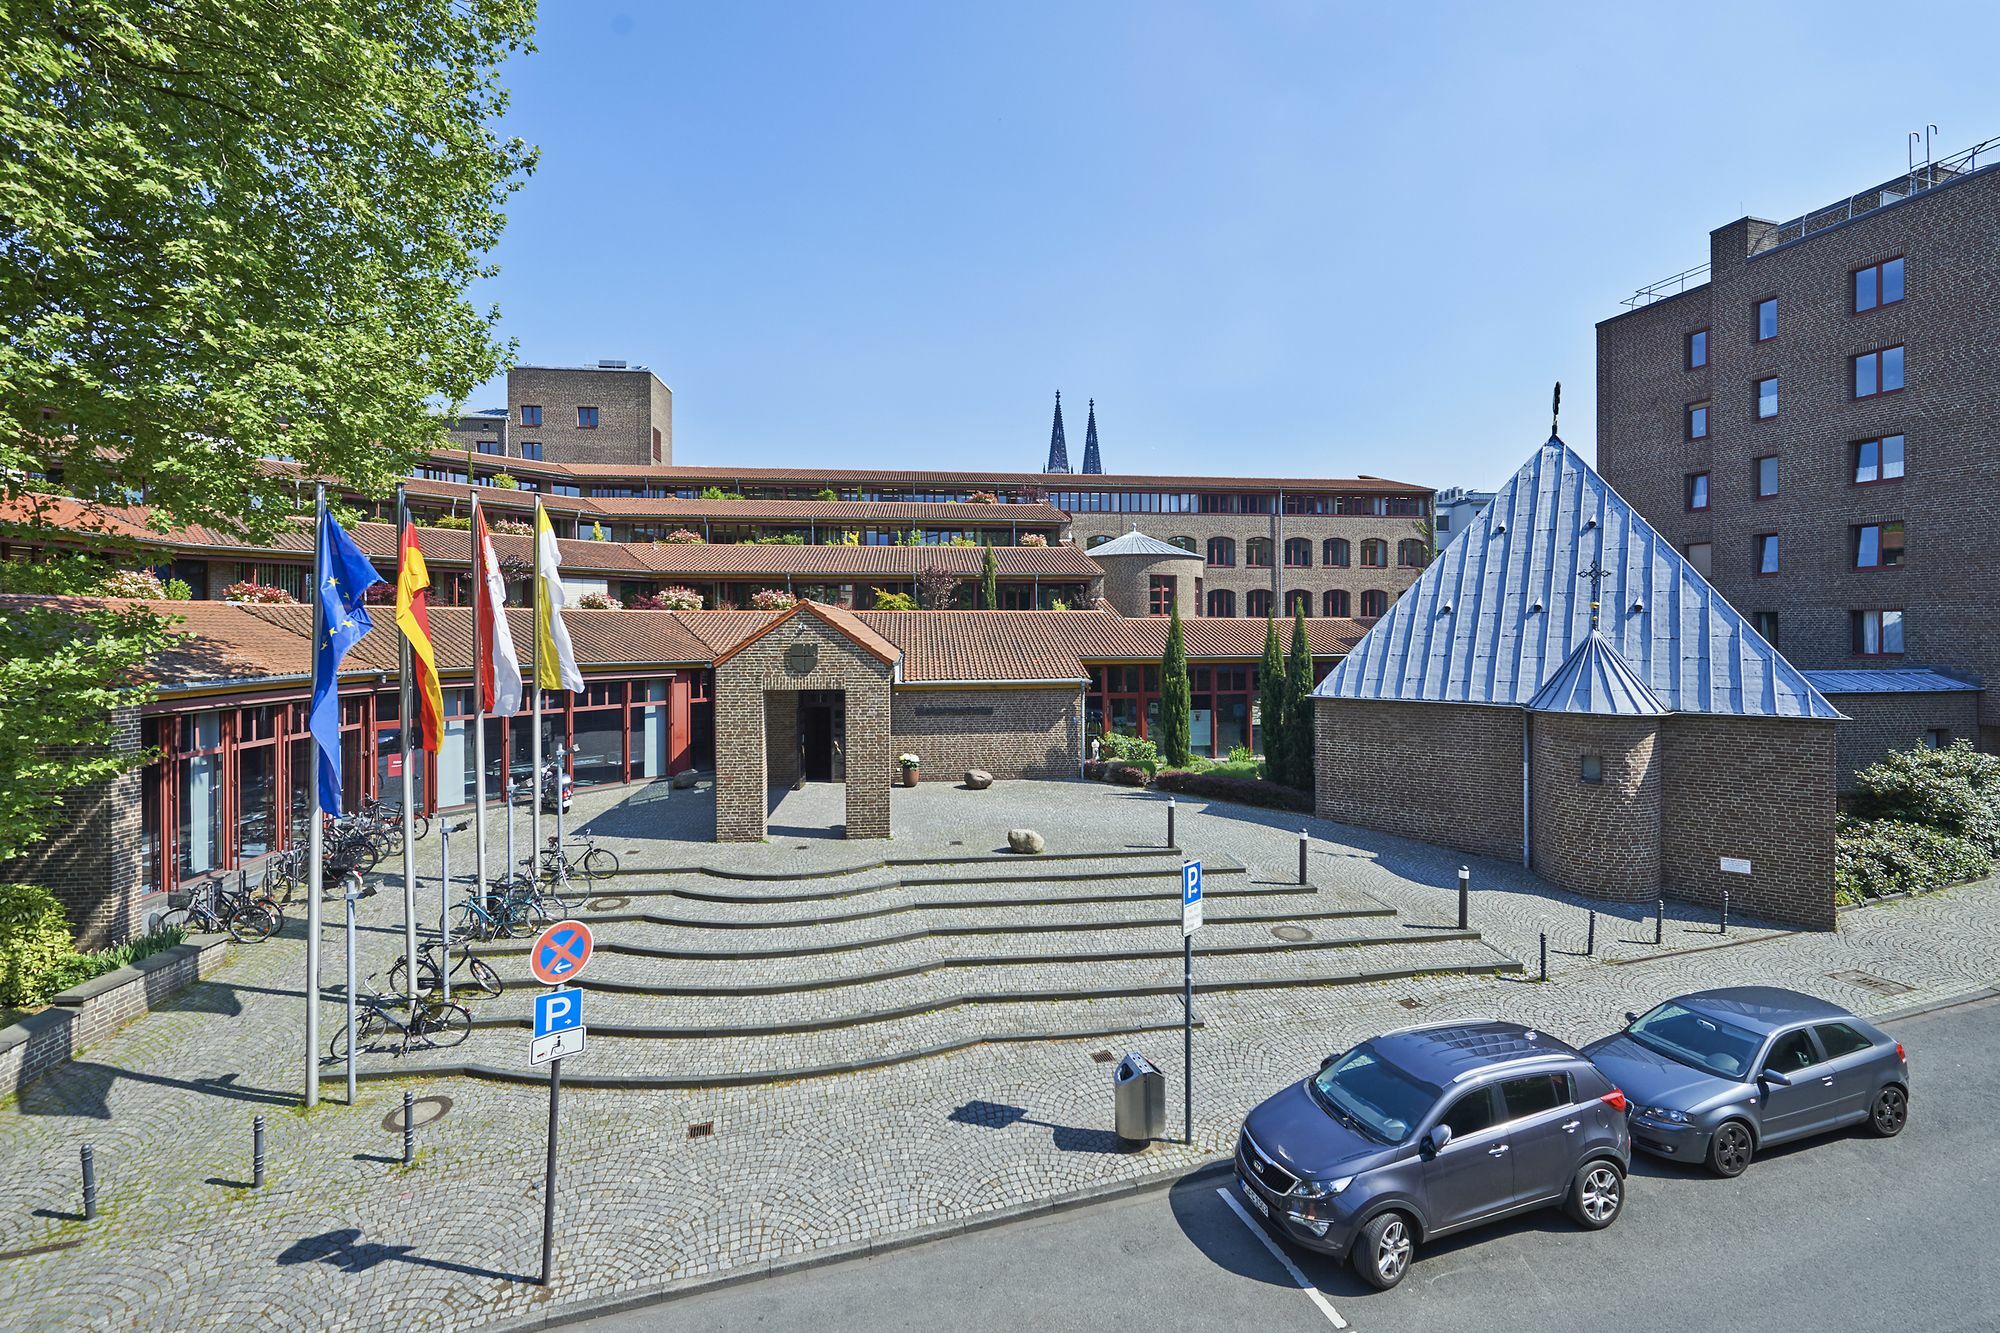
(1139, 1094)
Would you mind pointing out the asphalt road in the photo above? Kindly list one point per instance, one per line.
(1840, 1232)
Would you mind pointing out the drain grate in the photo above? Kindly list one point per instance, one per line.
(1103, 1057)
(1869, 981)
(702, 1130)
(423, 1111)
(1411, 1002)
(1292, 934)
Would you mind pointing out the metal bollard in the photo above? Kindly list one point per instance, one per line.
(89, 1185)
(1302, 855)
(1590, 938)
(1464, 897)
(1545, 955)
(1725, 911)
(257, 1153)
(1659, 920)
(1170, 821)
(409, 1129)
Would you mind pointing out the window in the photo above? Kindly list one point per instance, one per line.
(1257, 603)
(1878, 372)
(1792, 1052)
(1095, 539)
(1375, 553)
(1838, 1039)
(531, 449)
(1470, 1113)
(1766, 545)
(1878, 633)
(1160, 594)
(531, 414)
(1878, 285)
(1336, 551)
(586, 418)
(1374, 603)
(1767, 398)
(1336, 604)
(1697, 349)
(1766, 476)
(1695, 490)
(1298, 602)
(1878, 460)
(1701, 555)
(1222, 551)
(1534, 1095)
(1257, 553)
(1767, 319)
(1697, 421)
(656, 444)
(1593, 768)
(1298, 553)
(1767, 625)
(1410, 553)
(1935, 739)
(1185, 543)
(1221, 602)
(491, 447)
(1878, 545)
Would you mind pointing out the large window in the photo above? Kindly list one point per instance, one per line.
(1878, 285)
(1336, 552)
(1298, 602)
(1336, 603)
(1878, 372)
(1697, 349)
(1222, 552)
(1375, 553)
(1767, 398)
(531, 450)
(1878, 460)
(1877, 633)
(1694, 490)
(1298, 553)
(1410, 553)
(1160, 594)
(1767, 319)
(1257, 603)
(1185, 543)
(1764, 547)
(1257, 553)
(1221, 602)
(1878, 545)
(586, 418)
(1374, 602)
(531, 414)
(1701, 555)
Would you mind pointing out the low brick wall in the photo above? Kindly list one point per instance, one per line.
(84, 1015)
(1011, 733)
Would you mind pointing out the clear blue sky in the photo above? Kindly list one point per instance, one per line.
(1294, 239)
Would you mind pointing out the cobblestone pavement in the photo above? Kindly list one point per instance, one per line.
(344, 1237)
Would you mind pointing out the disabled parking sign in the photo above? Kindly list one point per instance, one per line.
(560, 952)
(558, 1025)
(1190, 897)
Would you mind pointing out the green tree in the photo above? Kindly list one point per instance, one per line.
(1174, 701)
(989, 582)
(1274, 717)
(1299, 707)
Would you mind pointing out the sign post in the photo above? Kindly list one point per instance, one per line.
(1190, 923)
(558, 955)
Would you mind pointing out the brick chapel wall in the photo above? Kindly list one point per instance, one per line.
(1598, 838)
(1128, 582)
(782, 761)
(1757, 789)
(1011, 733)
(1879, 723)
(1407, 769)
(90, 861)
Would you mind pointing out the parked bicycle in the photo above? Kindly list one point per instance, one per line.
(478, 973)
(505, 911)
(581, 857)
(213, 907)
(432, 1024)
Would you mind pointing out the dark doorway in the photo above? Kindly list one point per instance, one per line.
(822, 725)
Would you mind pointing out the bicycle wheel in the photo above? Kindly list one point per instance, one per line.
(367, 1024)
(598, 863)
(567, 894)
(484, 977)
(250, 923)
(178, 919)
(518, 919)
(420, 827)
(441, 1025)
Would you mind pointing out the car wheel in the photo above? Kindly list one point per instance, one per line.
(1597, 1195)
(1891, 1113)
(1730, 1148)
(1382, 1251)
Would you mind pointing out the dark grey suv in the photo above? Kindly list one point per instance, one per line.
(1431, 1130)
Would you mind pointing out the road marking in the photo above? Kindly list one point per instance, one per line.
(1318, 1298)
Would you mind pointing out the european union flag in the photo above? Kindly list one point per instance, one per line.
(339, 620)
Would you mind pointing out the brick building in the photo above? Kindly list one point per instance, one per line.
(610, 413)
(1563, 688)
(1810, 418)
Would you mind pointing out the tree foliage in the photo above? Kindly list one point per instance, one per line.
(1299, 708)
(1174, 694)
(1954, 789)
(989, 582)
(1273, 714)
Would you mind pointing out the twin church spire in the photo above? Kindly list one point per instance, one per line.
(1059, 445)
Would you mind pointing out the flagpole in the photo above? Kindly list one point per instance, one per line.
(478, 717)
(315, 835)
(406, 710)
(535, 684)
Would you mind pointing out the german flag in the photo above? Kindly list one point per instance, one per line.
(413, 599)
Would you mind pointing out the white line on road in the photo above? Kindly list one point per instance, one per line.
(1325, 1305)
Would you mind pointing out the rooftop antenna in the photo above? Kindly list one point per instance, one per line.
(1555, 411)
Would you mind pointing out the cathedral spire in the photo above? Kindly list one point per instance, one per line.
(1092, 464)
(1058, 446)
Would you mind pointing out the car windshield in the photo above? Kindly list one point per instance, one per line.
(1709, 1044)
(1384, 1101)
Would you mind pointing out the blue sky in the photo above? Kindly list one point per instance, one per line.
(1293, 239)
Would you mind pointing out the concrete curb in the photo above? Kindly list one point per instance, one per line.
(1210, 1167)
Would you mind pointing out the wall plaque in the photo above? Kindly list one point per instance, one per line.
(802, 657)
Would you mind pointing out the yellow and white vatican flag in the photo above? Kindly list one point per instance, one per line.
(555, 660)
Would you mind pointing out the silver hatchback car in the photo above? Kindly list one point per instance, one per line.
(1717, 1075)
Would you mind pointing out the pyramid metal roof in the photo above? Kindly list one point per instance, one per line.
(1504, 609)
(1136, 542)
(1596, 680)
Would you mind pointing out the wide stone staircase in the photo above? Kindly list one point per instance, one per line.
(703, 978)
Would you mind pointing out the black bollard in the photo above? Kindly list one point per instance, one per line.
(1659, 920)
(409, 1130)
(89, 1185)
(1302, 856)
(1725, 911)
(1590, 938)
(1545, 955)
(1170, 822)
(257, 1153)
(1464, 898)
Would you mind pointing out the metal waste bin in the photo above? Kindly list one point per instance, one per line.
(1139, 1094)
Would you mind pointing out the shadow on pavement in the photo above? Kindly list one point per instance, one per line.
(83, 1088)
(1067, 1138)
(344, 1249)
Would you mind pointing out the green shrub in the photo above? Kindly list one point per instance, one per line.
(34, 944)
(894, 601)
(1133, 751)
(1954, 790)
(1876, 857)
(1247, 791)
(179, 591)
(454, 522)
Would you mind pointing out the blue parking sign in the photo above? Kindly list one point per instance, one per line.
(1190, 897)
(558, 1011)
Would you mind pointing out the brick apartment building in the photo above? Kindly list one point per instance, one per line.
(610, 413)
(1813, 419)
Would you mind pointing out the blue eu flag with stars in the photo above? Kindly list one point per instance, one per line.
(339, 621)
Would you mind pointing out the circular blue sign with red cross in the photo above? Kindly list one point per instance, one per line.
(560, 953)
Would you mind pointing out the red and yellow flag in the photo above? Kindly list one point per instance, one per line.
(413, 614)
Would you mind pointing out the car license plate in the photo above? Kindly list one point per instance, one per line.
(1256, 1200)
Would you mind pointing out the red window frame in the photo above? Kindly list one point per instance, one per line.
(1298, 547)
(1757, 334)
(1373, 546)
(1221, 603)
(1689, 489)
(1688, 349)
(1257, 603)
(1757, 490)
(1854, 460)
(1882, 562)
(1854, 370)
(1336, 553)
(1161, 590)
(1336, 604)
(1857, 618)
(1757, 541)
(1378, 600)
(1225, 548)
(1853, 296)
(1688, 419)
(586, 418)
(1252, 548)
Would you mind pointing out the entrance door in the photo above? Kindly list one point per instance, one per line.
(819, 734)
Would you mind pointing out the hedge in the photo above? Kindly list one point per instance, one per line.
(38, 958)
(1873, 858)
(1246, 791)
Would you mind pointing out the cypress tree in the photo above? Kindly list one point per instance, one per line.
(1174, 696)
(1272, 713)
(1299, 707)
(989, 582)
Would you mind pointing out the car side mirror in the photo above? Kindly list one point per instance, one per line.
(1631, 1017)
(1435, 1140)
(1328, 1062)
(1773, 1076)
